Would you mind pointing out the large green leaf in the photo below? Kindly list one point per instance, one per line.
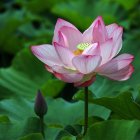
(114, 130)
(26, 76)
(34, 136)
(73, 112)
(9, 131)
(123, 105)
(60, 113)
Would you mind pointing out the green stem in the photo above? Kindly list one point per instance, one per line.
(42, 126)
(86, 111)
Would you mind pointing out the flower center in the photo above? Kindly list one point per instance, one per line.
(80, 48)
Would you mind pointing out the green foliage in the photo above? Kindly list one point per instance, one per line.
(121, 105)
(114, 130)
(4, 119)
(114, 111)
(34, 136)
(21, 79)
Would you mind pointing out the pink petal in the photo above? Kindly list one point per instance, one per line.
(47, 54)
(115, 64)
(72, 37)
(117, 39)
(60, 23)
(124, 56)
(122, 74)
(90, 34)
(65, 55)
(99, 32)
(110, 29)
(86, 63)
(106, 50)
(86, 83)
(69, 78)
(62, 40)
(117, 33)
(48, 68)
(93, 49)
(62, 69)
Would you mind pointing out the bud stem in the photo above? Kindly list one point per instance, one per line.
(42, 126)
(86, 111)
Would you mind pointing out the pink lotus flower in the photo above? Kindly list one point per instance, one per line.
(76, 57)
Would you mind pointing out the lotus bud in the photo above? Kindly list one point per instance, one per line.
(40, 107)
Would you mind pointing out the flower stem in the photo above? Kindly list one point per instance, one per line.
(86, 111)
(42, 126)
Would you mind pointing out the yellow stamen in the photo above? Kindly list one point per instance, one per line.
(77, 52)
